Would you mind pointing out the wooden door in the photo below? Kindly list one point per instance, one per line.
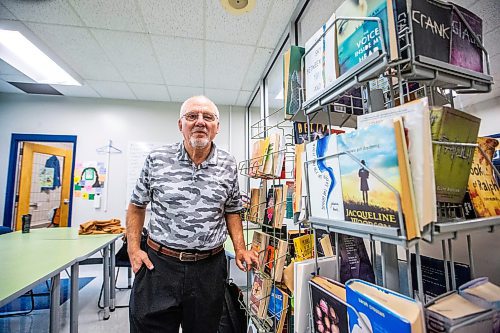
(26, 180)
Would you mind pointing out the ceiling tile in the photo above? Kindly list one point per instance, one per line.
(108, 89)
(277, 22)
(180, 59)
(315, 15)
(174, 17)
(110, 14)
(5, 13)
(256, 68)
(150, 92)
(238, 29)
(5, 68)
(180, 94)
(489, 11)
(8, 88)
(79, 49)
(132, 54)
(491, 43)
(221, 96)
(226, 64)
(76, 91)
(243, 97)
(54, 11)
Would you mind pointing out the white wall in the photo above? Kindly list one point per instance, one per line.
(94, 122)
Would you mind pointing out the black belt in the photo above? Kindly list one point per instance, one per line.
(181, 255)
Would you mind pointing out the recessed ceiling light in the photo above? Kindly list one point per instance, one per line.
(20, 53)
(238, 7)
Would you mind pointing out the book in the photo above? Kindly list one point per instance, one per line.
(431, 25)
(382, 310)
(304, 247)
(450, 311)
(484, 294)
(273, 159)
(279, 192)
(302, 274)
(483, 187)
(433, 277)
(328, 299)
(269, 208)
(289, 199)
(354, 260)
(366, 199)
(299, 165)
(301, 131)
(259, 153)
(326, 244)
(402, 24)
(254, 205)
(452, 164)
(275, 258)
(292, 81)
(465, 49)
(320, 60)
(292, 234)
(324, 177)
(356, 40)
(259, 296)
(417, 124)
(259, 245)
(277, 309)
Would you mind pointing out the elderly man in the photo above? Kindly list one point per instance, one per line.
(195, 201)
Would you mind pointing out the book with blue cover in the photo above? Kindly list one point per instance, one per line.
(356, 40)
(381, 310)
(277, 308)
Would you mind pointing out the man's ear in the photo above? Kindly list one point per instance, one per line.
(179, 123)
(218, 127)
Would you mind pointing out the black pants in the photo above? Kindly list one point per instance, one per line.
(177, 293)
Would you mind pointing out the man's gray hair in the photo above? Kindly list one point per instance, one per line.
(208, 100)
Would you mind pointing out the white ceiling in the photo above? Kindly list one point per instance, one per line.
(161, 50)
(168, 50)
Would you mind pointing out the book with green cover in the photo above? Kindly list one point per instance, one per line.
(452, 164)
(292, 79)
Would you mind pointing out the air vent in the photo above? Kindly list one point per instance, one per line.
(36, 88)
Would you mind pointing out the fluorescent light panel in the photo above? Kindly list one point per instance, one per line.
(20, 53)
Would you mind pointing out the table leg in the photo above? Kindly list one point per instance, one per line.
(105, 274)
(55, 299)
(112, 277)
(74, 309)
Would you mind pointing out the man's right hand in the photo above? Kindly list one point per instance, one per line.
(139, 258)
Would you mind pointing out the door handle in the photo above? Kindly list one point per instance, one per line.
(66, 201)
(34, 205)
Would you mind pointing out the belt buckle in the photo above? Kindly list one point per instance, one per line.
(181, 258)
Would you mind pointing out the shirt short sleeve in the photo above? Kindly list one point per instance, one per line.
(233, 202)
(141, 195)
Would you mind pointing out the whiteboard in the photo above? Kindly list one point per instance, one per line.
(137, 153)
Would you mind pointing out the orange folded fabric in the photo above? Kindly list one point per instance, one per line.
(112, 226)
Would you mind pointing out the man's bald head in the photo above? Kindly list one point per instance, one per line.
(198, 100)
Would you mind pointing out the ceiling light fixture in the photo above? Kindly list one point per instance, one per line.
(19, 52)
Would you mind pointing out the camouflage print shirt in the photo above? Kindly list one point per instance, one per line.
(188, 202)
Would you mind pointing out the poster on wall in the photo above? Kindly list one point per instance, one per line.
(89, 179)
(46, 177)
(137, 153)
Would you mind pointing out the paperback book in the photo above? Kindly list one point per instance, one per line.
(354, 260)
(277, 308)
(259, 297)
(301, 131)
(483, 187)
(328, 299)
(292, 80)
(275, 258)
(260, 241)
(304, 247)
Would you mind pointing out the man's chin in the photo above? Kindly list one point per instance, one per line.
(199, 143)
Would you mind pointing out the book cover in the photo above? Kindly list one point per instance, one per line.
(279, 212)
(366, 199)
(431, 23)
(483, 187)
(292, 79)
(465, 50)
(433, 277)
(303, 272)
(402, 24)
(272, 166)
(261, 212)
(324, 179)
(382, 310)
(301, 131)
(269, 210)
(304, 247)
(325, 244)
(298, 167)
(289, 199)
(452, 164)
(277, 308)
(329, 309)
(484, 294)
(259, 296)
(356, 40)
(354, 260)
(417, 124)
(254, 205)
(259, 245)
(275, 258)
(259, 153)
(292, 234)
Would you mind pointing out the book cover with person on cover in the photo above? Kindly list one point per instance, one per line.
(366, 199)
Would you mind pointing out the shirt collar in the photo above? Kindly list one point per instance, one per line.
(182, 155)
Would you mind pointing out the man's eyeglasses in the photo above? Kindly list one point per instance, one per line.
(193, 116)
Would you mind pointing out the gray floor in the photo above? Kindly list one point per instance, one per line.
(91, 317)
